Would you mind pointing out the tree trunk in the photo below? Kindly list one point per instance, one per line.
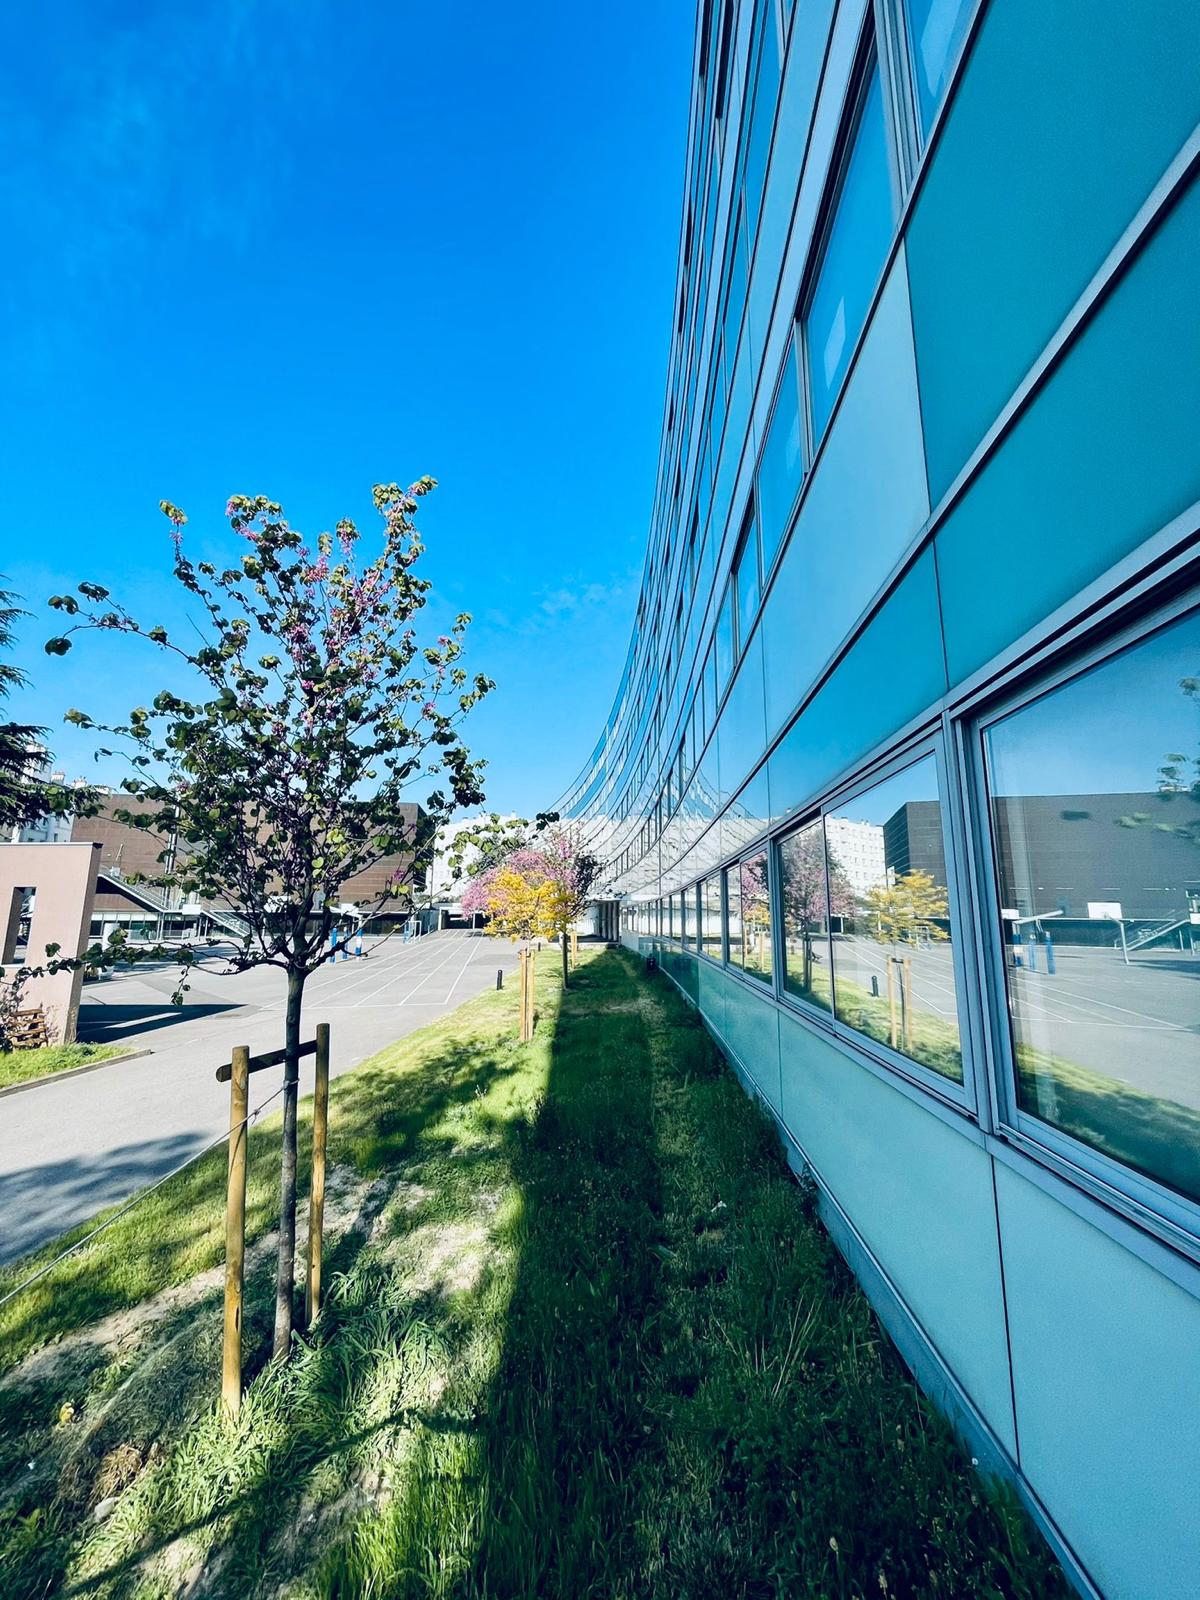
(286, 1271)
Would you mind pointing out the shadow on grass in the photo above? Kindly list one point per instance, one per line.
(584, 1337)
(296, 1421)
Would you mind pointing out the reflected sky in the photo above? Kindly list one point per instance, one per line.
(1121, 721)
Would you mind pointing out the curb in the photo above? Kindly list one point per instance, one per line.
(73, 1072)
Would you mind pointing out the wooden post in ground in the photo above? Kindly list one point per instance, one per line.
(316, 1202)
(532, 988)
(523, 963)
(235, 1232)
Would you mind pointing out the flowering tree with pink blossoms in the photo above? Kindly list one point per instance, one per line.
(288, 769)
(560, 862)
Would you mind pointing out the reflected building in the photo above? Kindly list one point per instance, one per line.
(856, 849)
(922, 593)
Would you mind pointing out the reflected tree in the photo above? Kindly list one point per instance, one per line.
(904, 913)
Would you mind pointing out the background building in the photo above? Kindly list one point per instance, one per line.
(922, 558)
(143, 910)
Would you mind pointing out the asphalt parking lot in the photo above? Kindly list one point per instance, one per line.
(72, 1146)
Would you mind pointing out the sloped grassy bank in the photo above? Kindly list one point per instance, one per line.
(585, 1337)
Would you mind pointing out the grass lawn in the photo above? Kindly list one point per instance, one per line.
(585, 1337)
(19, 1066)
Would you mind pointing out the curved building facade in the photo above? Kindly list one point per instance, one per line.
(900, 784)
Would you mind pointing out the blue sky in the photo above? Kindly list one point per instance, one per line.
(295, 248)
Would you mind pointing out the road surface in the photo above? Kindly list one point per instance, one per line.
(75, 1145)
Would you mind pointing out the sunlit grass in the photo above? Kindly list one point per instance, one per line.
(585, 1337)
(19, 1066)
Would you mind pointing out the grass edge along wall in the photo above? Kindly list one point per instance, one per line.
(929, 495)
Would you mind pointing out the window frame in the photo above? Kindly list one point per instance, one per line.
(1141, 1198)
(964, 1096)
(759, 984)
(748, 545)
(806, 1008)
(793, 356)
(726, 901)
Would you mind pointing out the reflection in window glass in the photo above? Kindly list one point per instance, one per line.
(733, 907)
(745, 578)
(1095, 812)
(735, 300)
(710, 891)
(687, 917)
(936, 29)
(782, 465)
(893, 972)
(758, 143)
(724, 639)
(854, 252)
(804, 906)
(756, 918)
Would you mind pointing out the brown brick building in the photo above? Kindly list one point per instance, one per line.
(145, 910)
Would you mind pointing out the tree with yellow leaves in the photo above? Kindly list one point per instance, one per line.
(521, 907)
(905, 911)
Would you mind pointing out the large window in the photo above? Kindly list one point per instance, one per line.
(893, 967)
(724, 645)
(782, 466)
(745, 578)
(753, 887)
(710, 906)
(804, 901)
(733, 912)
(855, 247)
(762, 120)
(735, 301)
(1094, 802)
(936, 30)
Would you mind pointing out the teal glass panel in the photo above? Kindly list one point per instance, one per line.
(1106, 1379)
(867, 698)
(742, 731)
(864, 503)
(1066, 117)
(1104, 457)
(854, 254)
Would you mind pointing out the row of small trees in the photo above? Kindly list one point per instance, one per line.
(534, 889)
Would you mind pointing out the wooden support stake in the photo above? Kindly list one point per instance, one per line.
(532, 989)
(316, 1202)
(235, 1231)
(523, 1003)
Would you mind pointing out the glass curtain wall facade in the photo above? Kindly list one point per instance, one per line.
(901, 783)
